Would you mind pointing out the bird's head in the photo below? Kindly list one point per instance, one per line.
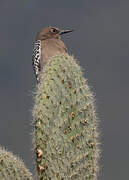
(51, 32)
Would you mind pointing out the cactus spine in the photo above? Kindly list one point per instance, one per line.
(12, 168)
(65, 134)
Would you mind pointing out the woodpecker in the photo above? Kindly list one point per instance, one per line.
(47, 44)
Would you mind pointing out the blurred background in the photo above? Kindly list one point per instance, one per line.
(100, 43)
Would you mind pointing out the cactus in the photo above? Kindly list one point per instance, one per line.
(65, 125)
(12, 168)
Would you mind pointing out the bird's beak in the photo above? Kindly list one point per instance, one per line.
(65, 31)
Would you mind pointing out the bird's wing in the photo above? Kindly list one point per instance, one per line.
(36, 59)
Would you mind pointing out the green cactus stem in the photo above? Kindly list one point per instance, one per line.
(12, 168)
(65, 125)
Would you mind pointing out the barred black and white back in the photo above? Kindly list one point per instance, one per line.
(36, 58)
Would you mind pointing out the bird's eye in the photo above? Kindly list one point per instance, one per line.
(54, 30)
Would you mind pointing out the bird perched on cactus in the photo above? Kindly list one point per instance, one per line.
(65, 125)
(48, 44)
